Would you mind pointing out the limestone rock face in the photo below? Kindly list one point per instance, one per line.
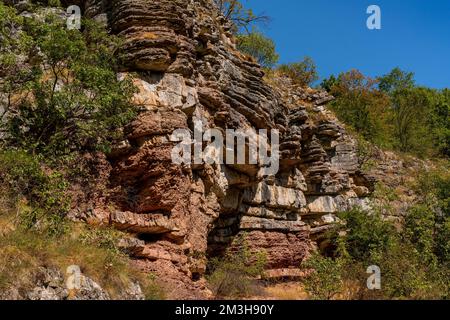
(189, 71)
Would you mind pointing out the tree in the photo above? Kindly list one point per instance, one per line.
(396, 80)
(409, 107)
(328, 83)
(393, 112)
(258, 46)
(439, 122)
(362, 106)
(303, 73)
(416, 113)
(241, 17)
(249, 40)
(73, 99)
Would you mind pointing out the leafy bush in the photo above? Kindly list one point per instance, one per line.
(303, 73)
(233, 275)
(366, 233)
(427, 224)
(327, 84)
(420, 230)
(406, 275)
(72, 99)
(259, 47)
(410, 265)
(59, 97)
(21, 175)
(325, 280)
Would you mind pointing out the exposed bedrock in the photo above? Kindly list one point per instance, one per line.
(188, 71)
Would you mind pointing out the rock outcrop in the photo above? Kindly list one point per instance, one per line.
(189, 72)
(49, 283)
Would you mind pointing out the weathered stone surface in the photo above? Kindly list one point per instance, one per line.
(159, 122)
(187, 70)
(283, 250)
(143, 223)
(325, 204)
(267, 213)
(50, 284)
(255, 223)
(274, 196)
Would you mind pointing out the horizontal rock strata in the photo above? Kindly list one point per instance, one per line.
(189, 71)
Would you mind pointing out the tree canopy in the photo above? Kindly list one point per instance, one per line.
(62, 93)
(393, 112)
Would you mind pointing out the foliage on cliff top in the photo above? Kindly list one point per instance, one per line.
(259, 47)
(302, 73)
(240, 16)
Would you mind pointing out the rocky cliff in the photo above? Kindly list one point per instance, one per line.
(186, 66)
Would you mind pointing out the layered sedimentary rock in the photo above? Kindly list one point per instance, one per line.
(189, 71)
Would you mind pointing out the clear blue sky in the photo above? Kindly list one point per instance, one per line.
(415, 36)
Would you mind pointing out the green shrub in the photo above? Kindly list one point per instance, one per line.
(151, 289)
(325, 280)
(405, 274)
(327, 84)
(303, 73)
(442, 244)
(420, 229)
(234, 274)
(360, 105)
(409, 259)
(433, 186)
(258, 46)
(366, 234)
(22, 176)
(72, 100)
(427, 223)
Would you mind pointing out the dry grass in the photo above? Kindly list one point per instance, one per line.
(286, 291)
(23, 252)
